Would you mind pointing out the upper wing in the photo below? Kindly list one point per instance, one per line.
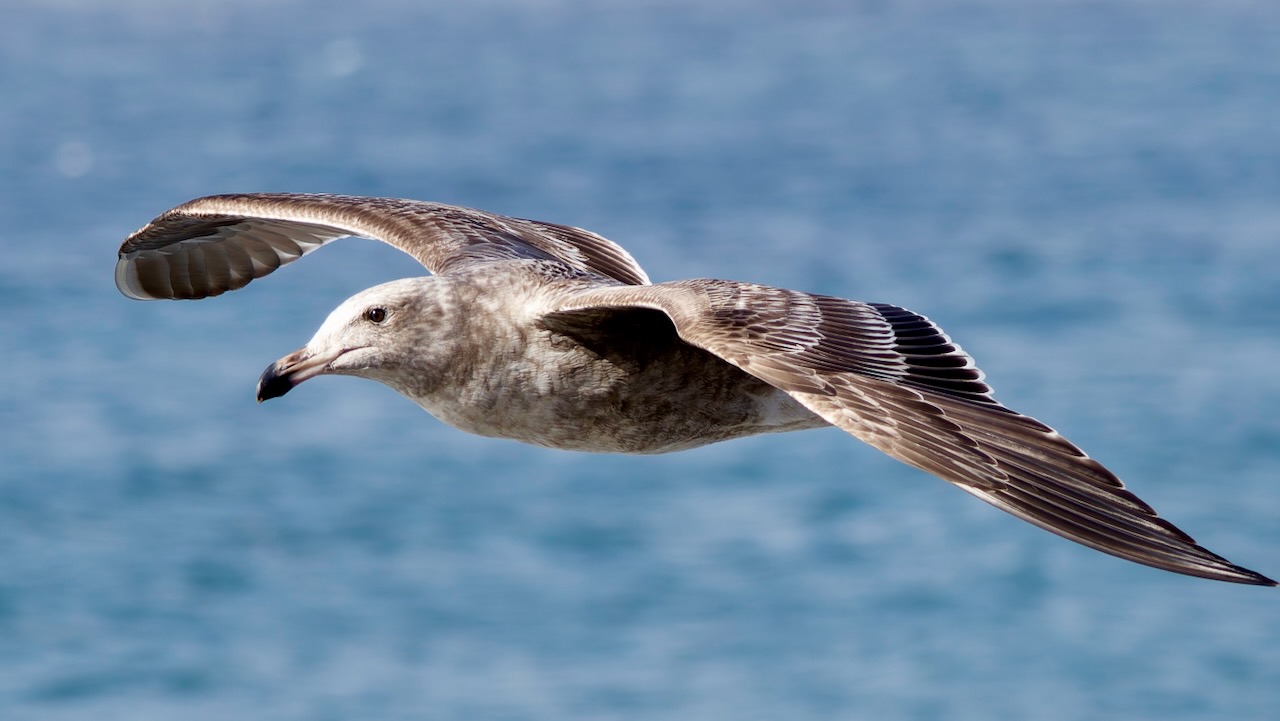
(893, 379)
(211, 245)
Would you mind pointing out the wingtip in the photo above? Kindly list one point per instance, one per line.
(127, 281)
(1257, 579)
(1219, 569)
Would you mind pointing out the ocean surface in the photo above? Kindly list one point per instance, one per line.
(1085, 195)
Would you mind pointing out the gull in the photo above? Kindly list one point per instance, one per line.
(555, 336)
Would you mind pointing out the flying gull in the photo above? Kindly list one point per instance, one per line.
(553, 335)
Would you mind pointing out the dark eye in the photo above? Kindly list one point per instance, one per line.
(375, 315)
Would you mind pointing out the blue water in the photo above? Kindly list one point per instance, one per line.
(1084, 194)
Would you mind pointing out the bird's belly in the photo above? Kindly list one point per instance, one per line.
(652, 424)
(642, 413)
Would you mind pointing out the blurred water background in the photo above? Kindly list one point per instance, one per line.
(1084, 194)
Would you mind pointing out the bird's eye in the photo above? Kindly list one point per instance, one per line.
(375, 315)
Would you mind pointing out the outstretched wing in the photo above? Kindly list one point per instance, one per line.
(893, 379)
(211, 245)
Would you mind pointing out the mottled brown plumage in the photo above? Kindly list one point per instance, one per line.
(553, 335)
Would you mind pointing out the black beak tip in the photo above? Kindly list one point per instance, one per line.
(273, 384)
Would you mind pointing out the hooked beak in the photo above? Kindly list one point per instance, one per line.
(280, 377)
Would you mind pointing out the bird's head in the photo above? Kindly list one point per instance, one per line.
(383, 333)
